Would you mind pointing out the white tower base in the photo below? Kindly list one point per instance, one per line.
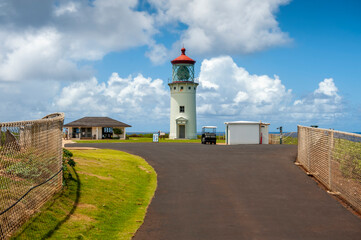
(183, 121)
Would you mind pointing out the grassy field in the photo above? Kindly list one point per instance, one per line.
(348, 154)
(285, 139)
(106, 199)
(290, 140)
(142, 139)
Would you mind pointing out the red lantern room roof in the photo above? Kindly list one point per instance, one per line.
(183, 58)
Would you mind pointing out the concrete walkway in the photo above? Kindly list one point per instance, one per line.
(236, 192)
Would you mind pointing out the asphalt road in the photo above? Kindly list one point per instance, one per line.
(236, 192)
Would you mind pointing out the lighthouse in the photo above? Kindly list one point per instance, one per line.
(183, 120)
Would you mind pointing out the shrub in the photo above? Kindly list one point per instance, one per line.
(31, 167)
(147, 135)
(67, 160)
(67, 154)
(117, 131)
(132, 135)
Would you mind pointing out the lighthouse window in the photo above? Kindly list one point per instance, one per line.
(182, 88)
(181, 109)
(174, 88)
(189, 88)
(194, 88)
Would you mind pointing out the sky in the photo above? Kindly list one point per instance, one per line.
(284, 62)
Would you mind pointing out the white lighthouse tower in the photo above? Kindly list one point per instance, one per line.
(183, 121)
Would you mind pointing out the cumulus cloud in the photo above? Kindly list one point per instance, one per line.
(137, 99)
(224, 27)
(157, 53)
(229, 90)
(104, 26)
(66, 8)
(38, 36)
(36, 55)
(327, 87)
(323, 104)
(27, 100)
(45, 40)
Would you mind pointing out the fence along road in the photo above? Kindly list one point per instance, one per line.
(236, 192)
(30, 168)
(334, 158)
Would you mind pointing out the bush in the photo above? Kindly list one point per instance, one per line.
(132, 135)
(67, 154)
(146, 135)
(30, 168)
(117, 131)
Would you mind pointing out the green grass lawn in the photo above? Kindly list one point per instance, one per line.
(285, 139)
(348, 154)
(106, 199)
(142, 139)
(290, 140)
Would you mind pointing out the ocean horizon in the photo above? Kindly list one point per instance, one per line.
(218, 133)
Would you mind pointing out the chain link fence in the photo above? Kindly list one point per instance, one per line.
(30, 168)
(334, 158)
(287, 138)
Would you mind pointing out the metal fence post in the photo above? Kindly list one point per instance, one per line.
(280, 128)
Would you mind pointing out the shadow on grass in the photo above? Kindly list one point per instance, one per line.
(76, 202)
(50, 232)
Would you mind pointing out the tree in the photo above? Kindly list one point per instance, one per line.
(117, 131)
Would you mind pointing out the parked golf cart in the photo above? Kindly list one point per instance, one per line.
(209, 134)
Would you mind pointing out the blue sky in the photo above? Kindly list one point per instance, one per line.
(282, 62)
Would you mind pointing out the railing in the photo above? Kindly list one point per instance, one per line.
(195, 80)
(334, 158)
(30, 168)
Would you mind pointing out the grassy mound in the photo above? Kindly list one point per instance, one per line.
(106, 197)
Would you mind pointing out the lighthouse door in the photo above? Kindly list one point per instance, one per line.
(182, 131)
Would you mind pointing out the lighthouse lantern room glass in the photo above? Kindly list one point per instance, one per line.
(183, 73)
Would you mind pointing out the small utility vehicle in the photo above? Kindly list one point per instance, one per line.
(209, 134)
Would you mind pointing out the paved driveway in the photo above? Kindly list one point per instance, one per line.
(236, 192)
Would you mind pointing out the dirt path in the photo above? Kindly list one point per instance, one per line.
(236, 192)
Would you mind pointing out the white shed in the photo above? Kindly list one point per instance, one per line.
(246, 132)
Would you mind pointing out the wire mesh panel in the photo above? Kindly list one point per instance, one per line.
(30, 168)
(334, 158)
(287, 138)
(318, 154)
(274, 138)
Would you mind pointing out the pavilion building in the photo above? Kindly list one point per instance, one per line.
(96, 128)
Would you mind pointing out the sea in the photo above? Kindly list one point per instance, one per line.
(198, 133)
(218, 133)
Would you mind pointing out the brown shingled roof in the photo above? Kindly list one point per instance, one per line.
(96, 122)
